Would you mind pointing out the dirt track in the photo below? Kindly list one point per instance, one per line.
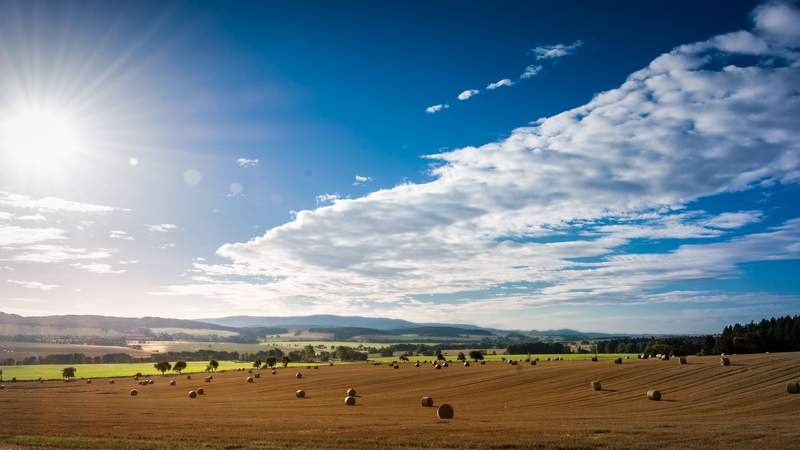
(705, 405)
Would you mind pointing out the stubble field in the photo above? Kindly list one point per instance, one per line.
(704, 405)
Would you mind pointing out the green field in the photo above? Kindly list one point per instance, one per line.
(53, 371)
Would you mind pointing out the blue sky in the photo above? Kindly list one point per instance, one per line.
(275, 159)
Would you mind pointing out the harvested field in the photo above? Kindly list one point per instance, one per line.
(704, 404)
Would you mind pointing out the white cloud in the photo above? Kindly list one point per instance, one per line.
(49, 254)
(33, 285)
(555, 51)
(52, 204)
(500, 83)
(359, 180)
(732, 220)
(466, 95)
(530, 72)
(100, 268)
(436, 108)
(161, 227)
(621, 167)
(166, 246)
(120, 235)
(778, 21)
(327, 198)
(14, 235)
(32, 218)
(244, 162)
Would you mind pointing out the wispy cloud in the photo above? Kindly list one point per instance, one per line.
(52, 204)
(100, 268)
(555, 51)
(245, 162)
(499, 84)
(120, 235)
(359, 180)
(33, 285)
(436, 108)
(530, 72)
(161, 227)
(469, 93)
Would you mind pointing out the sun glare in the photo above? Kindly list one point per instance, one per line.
(38, 138)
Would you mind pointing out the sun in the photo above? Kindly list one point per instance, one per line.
(39, 138)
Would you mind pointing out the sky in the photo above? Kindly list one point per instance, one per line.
(623, 167)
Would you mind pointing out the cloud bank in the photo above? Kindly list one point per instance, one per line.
(696, 122)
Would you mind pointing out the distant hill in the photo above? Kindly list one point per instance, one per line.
(97, 326)
(327, 320)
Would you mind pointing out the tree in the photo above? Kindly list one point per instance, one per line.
(213, 364)
(68, 372)
(179, 366)
(271, 362)
(440, 356)
(461, 356)
(162, 366)
(308, 353)
(285, 361)
(475, 355)
(257, 363)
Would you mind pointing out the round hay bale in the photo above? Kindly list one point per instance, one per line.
(172, 382)
(2, 387)
(627, 357)
(110, 381)
(274, 372)
(665, 357)
(682, 360)
(188, 377)
(437, 366)
(258, 375)
(594, 358)
(134, 392)
(331, 364)
(308, 367)
(351, 392)
(533, 363)
(483, 363)
(596, 386)
(201, 391)
(192, 394)
(466, 363)
(416, 364)
(250, 379)
(298, 375)
(250, 371)
(426, 401)
(300, 393)
(618, 361)
(151, 382)
(725, 361)
(793, 388)
(396, 367)
(316, 367)
(514, 363)
(654, 395)
(88, 381)
(548, 359)
(208, 379)
(350, 401)
(446, 364)
(444, 411)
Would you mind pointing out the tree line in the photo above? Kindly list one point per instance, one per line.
(780, 334)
